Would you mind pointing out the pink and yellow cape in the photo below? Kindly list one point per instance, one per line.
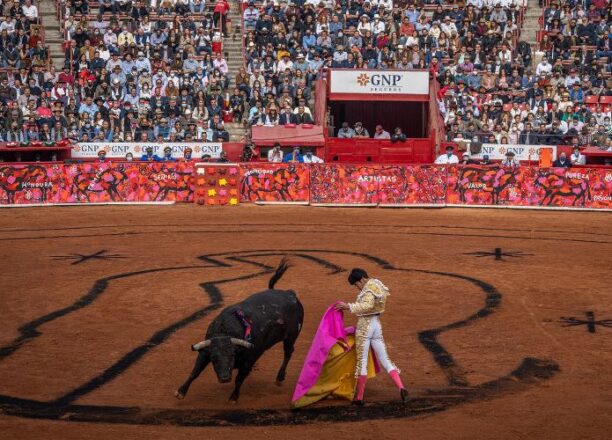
(329, 368)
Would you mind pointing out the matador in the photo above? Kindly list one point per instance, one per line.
(368, 308)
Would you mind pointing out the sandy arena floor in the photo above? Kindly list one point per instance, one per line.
(99, 306)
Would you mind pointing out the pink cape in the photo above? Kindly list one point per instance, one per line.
(330, 330)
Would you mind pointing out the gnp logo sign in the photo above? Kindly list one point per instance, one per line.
(379, 81)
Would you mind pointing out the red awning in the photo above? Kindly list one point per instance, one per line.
(298, 135)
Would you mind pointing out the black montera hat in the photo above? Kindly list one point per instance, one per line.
(356, 275)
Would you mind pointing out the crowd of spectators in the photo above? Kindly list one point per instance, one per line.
(554, 100)
(493, 86)
(133, 71)
(21, 42)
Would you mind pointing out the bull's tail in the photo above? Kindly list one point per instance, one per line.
(280, 270)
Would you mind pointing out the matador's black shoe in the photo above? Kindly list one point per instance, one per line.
(358, 402)
(404, 395)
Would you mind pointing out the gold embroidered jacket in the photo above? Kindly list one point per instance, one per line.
(371, 300)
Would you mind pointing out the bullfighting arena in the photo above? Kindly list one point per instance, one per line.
(101, 304)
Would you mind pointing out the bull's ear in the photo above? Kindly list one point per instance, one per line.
(241, 343)
(200, 345)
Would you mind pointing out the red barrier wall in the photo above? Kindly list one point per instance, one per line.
(377, 184)
(284, 182)
(96, 183)
(412, 185)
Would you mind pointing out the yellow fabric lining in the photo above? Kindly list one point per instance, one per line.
(337, 378)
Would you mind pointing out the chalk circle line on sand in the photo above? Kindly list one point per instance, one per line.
(530, 371)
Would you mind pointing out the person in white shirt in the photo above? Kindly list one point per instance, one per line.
(572, 79)
(448, 158)
(284, 63)
(311, 158)
(448, 27)
(510, 161)
(275, 154)
(378, 26)
(381, 133)
(544, 67)
(220, 63)
(577, 158)
(29, 10)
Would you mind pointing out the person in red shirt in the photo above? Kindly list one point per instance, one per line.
(221, 10)
(66, 76)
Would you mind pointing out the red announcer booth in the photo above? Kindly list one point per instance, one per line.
(365, 105)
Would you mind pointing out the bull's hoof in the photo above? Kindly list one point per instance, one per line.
(178, 395)
(278, 383)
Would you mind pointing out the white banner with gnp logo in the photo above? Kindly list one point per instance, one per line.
(521, 152)
(120, 149)
(390, 82)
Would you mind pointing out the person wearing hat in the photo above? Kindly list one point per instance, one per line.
(149, 156)
(250, 17)
(360, 131)
(345, 131)
(465, 159)
(447, 158)
(187, 153)
(102, 156)
(485, 160)
(369, 305)
(167, 157)
(510, 161)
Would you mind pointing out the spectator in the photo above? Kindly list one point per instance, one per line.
(275, 154)
(510, 160)
(562, 162)
(167, 157)
(149, 156)
(577, 158)
(223, 157)
(398, 135)
(294, 156)
(345, 131)
(302, 117)
(448, 158)
(309, 157)
(221, 10)
(287, 117)
(381, 133)
(360, 131)
(249, 153)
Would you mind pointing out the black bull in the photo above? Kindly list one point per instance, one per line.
(273, 315)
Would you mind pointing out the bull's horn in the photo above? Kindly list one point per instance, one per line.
(241, 342)
(200, 345)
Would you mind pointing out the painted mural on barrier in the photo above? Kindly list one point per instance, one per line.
(275, 183)
(579, 187)
(529, 186)
(96, 183)
(321, 184)
(377, 184)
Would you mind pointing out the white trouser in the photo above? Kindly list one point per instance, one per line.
(374, 339)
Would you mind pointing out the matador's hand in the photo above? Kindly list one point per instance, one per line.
(342, 306)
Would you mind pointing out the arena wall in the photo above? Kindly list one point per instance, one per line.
(319, 185)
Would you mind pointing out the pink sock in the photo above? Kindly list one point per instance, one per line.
(361, 383)
(396, 378)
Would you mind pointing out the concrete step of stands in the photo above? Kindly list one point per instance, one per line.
(232, 45)
(531, 24)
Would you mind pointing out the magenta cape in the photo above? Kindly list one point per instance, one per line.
(330, 330)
